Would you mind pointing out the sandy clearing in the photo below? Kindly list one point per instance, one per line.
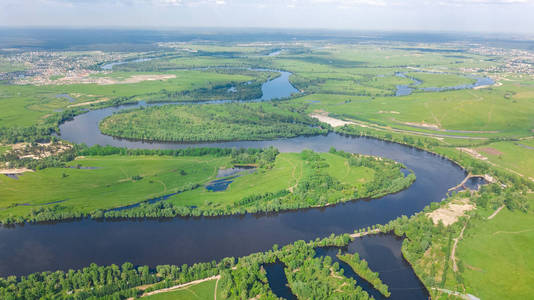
(15, 171)
(360, 234)
(473, 153)
(451, 212)
(89, 102)
(86, 78)
(487, 86)
(41, 150)
(423, 125)
(323, 117)
(135, 79)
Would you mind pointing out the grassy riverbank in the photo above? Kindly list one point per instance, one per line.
(293, 180)
(95, 183)
(103, 182)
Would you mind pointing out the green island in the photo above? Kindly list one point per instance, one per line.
(362, 269)
(102, 179)
(473, 242)
(213, 122)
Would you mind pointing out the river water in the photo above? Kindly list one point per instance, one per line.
(75, 244)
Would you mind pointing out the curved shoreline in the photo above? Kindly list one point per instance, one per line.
(191, 239)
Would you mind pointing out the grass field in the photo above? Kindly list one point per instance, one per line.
(202, 291)
(28, 105)
(517, 156)
(288, 170)
(440, 80)
(498, 258)
(104, 182)
(484, 111)
(111, 184)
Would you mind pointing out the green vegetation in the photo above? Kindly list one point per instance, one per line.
(308, 277)
(27, 105)
(108, 177)
(362, 269)
(213, 122)
(493, 257)
(102, 182)
(517, 156)
(291, 181)
(201, 291)
(353, 82)
(440, 80)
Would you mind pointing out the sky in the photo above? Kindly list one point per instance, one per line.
(509, 16)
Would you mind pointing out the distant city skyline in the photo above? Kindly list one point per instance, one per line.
(493, 16)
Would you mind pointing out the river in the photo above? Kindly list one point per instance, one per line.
(75, 244)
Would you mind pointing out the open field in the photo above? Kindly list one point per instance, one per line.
(28, 105)
(484, 112)
(289, 169)
(439, 80)
(517, 156)
(496, 261)
(112, 182)
(202, 291)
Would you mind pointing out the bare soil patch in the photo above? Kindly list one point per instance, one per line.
(89, 102)
(423, 125)
(323, 117)
(450, 213)
(490, 150)
(473, 153)
(15, 171)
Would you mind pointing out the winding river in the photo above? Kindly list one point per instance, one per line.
(75, 244)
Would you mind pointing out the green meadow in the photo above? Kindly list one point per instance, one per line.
(517, 156)
(497, 256)
(440, 80)
(201, 291)
(288, 170)
(26, 105)
(116, 181)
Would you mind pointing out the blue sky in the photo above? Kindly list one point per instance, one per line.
(513, 16)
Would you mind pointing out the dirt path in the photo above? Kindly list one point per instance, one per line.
(513, 232)
(215, 291)
(496, 212)
(183, 285)
(360, 234)
(457, 294)
(294, 166)
(453, 252)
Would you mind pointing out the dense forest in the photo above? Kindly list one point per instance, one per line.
(213, 122)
